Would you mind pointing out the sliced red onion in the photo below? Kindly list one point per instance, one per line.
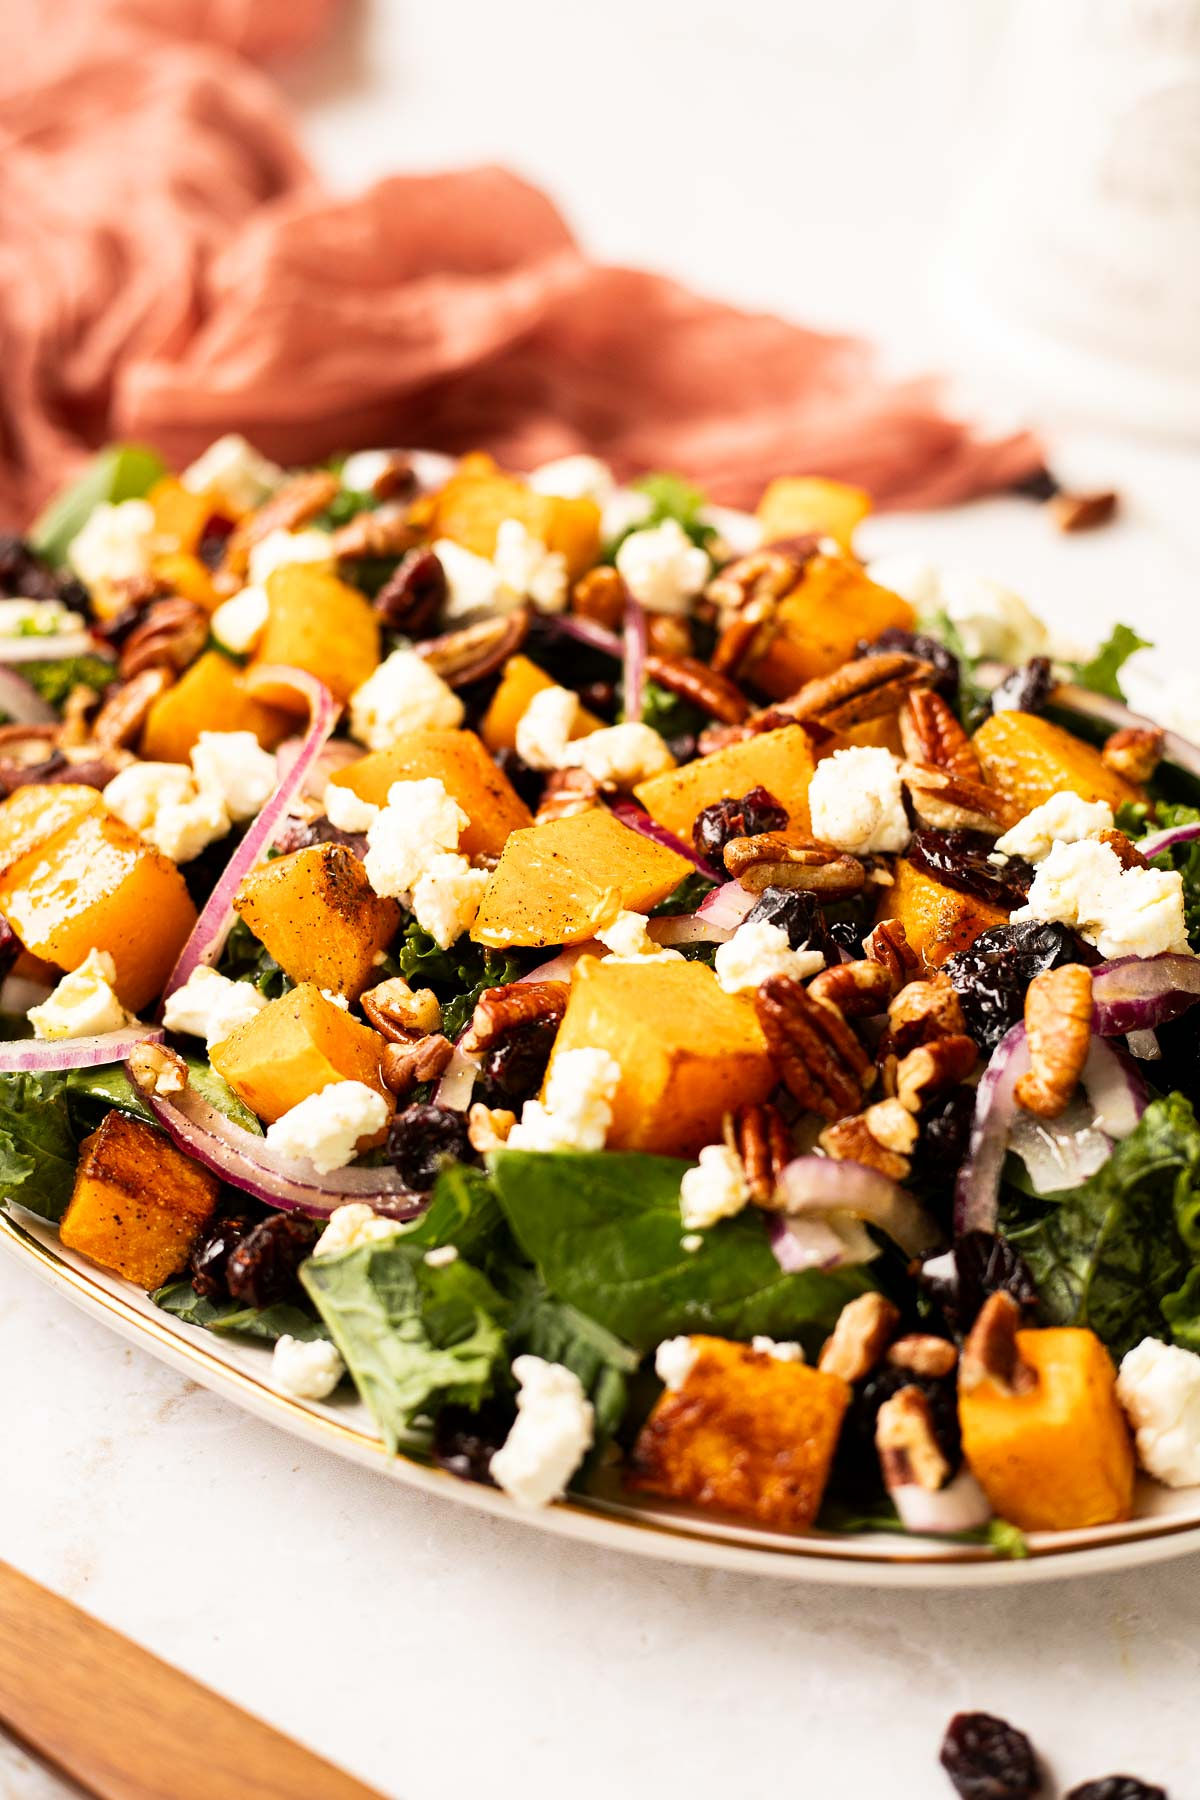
(211, 929)
(1144, 1045)
(1158, 841)
(562, 966)
(1136, 993)
(52, 647)
(1114, 1088)
(22, 703)
(727, 905)
(289, 1183)
(814, 1186)
(961, 1505)
(458, 1080)
(688, 928)
(586, 631)
(978, 1185)
(634, 676)
(337, 754)
(1059, 1153)
(640, 821)
(814, 1243)
(38, 1056)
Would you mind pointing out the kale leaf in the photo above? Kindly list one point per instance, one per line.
(94, 1091)
(245, 959)
(122, 472)
(669, 714)
(1100, 672)
(457, 976)
(1184, 857)
(670, 497)
(55, 679)
(543, 1326)
(974, 700)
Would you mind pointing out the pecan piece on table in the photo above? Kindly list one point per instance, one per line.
(1082, 512)
(1134, 753)
(759, 1136)
(1058, 1024)
(820, 1060)
(693, 680)
(475, 651)
(502, 1009)
(931, 734)
(776, 859)
(868, 688)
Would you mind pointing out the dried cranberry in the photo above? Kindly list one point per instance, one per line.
(213, 538)
(922, 644)
(1117, 1787)
(424, 1140)
(992, 974)
(411, 599)
(848, 934)
(262, 1269)
(725, 820)
(857, 1471)
(528, 782)
(797, 913)
(986, 1263)
(988, 1759)
(464, 1442)
(1026, 690)
(945, 1134)
(600, 697)
(513, 1069)
(209, 1261)
(959, 859)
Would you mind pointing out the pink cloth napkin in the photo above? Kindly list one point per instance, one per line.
(170, 268)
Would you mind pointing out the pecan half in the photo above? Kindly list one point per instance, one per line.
(933, 1069)
(924, 1354)
(1134, 753)
(171, 635)
(385, 532)
(399, 1013)
(909, 1452)
(297, 501)
(567, 793)
(859, 990)
(695, 681)
(669, 636)
(744, 639)
(922, 1012)
(778, 859)
(502, 1009)
(821, 1062)
(1058, 1025)
(476, 651)
(948, 802)
(863, 1331)
(600, 595)
(406, 1066)
(759, 1136)
(868, 688)
(931, 734)
(124, 712)
(766, 574)
(414, 593)
(991, 1352)
(888, 945)
(488, 1127)
(1082, 512)
(1123, 848)
(881, 1138)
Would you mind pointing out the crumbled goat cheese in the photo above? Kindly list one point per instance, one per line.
(575, 478)
(38, 618)
(527, 569)
(716, 1189)
(550, 1437)
(239, 623)
(83, 1004)
(691, 1243)
(310, 1371)
(281, 549)
(473, 585)
(211, 1006)
(544, 728)
(328, 1126)
(1123, 912)
(1062, 819)
(577, 1110)
(1159, 1387)
(403, 694)
(166, 805)
(442, 1257)
(233, 470)
(335, 999)
(345, 811)
(234, 766)
(116, 544)
(662, 568)
(419, 822)
(759, 950)
(629, 940)
(352, 1226)
(785, 1352)
(991, 620)
(857, 801)
(361, 471)
(619, 756)
(674, 1361)
(446, 898)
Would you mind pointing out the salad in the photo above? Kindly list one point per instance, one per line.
(623, 986)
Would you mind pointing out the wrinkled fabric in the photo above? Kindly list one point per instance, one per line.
(170, 268)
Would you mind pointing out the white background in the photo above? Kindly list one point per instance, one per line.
(803, 157)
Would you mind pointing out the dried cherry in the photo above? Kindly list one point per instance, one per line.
(1027, 689)
(528, 782)
(797, 913)
(959, 859)
(513, 1069)
(924, 645)
(988, 1759)
(27, 576)
(263, 1268)
(857, 1470)
(209, 1261)
(424, 1140)
(986, 1263)
(992, 974)
(945, 1135)
(1117, 1787)
(464, 1442)
(213, 540)
(719, 824)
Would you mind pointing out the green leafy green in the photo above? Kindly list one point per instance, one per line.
(1100, 672)
(122, 472)
(54, 680)
(111, 1086)
(1110, 1253)
(671, 497)
(457, 976)
(604, 1232)
(974, 700)
(39, 1144)
(230, 1319)
(464, 1212)
(686, 897)
(245, 959)
(414, 1338)
(669, 714)
(559, 1333)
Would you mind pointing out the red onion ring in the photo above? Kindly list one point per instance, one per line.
(727, 905)
(640, 821)
(585, 631)
(208, 935)
(1159, 841)
(634, 675)
(1136, 993)
(38, 1056)
(22, 703)
(561, 967)
(815, 1185)
(458, 1080)
(961, 1505)
(800, 1244)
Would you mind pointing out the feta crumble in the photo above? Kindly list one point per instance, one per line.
(402, 694)
(164, 803)
(115, 545)
(472, 585)
(310, 1371)
(619, 756)
(351, 1227)
(441, 1257)
(38, 618)
(759, 950)
(1123, 912)
(232, 469)
(361, 471)
(282, 549)
(211, 1006)
(674, 1361)
(551, 1436)
(447, 897)
(577, 1111)
(346, 811)
(857, 801)
(234, 766)
(527, 570)
(1159, 1387)
(544, 728)
(662, 568)
(1062, 819)
(691, 1242)
(239, 622)
(327, 1128)
(575, 478)
(715, 1189)
(628, 939)
(785, 1352)
(419, 823)
(83, 1004)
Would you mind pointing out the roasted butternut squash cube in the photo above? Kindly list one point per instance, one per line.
(478, 497)
(797, 505)
(185, 574)
(937, 920)
(873, 734)
(210, 696)
(179, 515)
(1059, 1456)
(820, 622)
(459, 761)
(780, 761)
(745, 1434)
(294, 1047)
(688, 1051)
(1029, 758)
(318, 623)
(558, 883)
(138, 1204)
(319, 916)
(520, 681)
(32, 814)
(97, 885)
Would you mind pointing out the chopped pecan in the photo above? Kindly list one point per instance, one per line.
(779, 859)
(298, 500)
(932, 1069)
(406, 1066)
(909, 1452)
(931, 734)
(864, 1328)
(414, 593)
(948, 802)
(385, 532)
(75, 730)
(567, 793)
(859, 990)
(502, 1009)
(1058, 1025)
(821, 1062)
(1134, 753)
(923, 1011)
(695, 681)
(399, 1013)
(888, 945)
(1123, 848)
(396, 479)
(669, 636)
(171, 635)
(765, 574)
(1082, 512)
(759, 1136)
(923, 1354)
(157, 1069)
(475, 651)
(488, 1127)
(124, 712)
(880, 1138)
(868, 688)
(744, 639)
(600, 595)
(991, 1352)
